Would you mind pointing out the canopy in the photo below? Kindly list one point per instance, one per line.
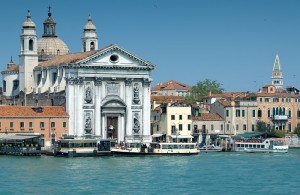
(182, 136)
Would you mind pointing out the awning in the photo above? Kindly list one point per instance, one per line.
(157, 135)
(19, 137)
(182, 136)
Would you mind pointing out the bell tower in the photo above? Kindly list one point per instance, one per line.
(28, 55)
(89, 39)
(277, 78)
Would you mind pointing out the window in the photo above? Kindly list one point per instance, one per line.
(243, 113)
(157, 127)
(52, 124)
(0, 124)
(189, 117)
(253, 127)
(227, 127)
(290, 127)
(189, 127)
(4, 86)
(42, 125)
(260, 99)
(180, 127)
(237, 127)
(30, 45)
(11, 125)
(30, 125)
(298, 113)
(253, 113)
(64, 124)
(275, 99)
(22, 125)
(54, 77)
(290, 113)
(172, 117)
(15, 84)
(180, 117)
(269, 113)
(227, 113)
(173, 128)
(211, 127)
(237, 113)
(244, 127)
(221, 127)
(259, 113)
(267, 99)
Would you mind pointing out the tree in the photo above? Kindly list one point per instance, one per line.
(203, 88)
(297, 131)
(261, 126)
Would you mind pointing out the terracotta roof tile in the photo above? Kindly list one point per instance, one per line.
(24, 111)
(208, 117)
(225, 103)
(67, 59)
(171, 85)
(166, 98)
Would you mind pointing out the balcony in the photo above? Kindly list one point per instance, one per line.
(280, 117)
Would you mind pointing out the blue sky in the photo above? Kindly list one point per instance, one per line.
(233, 42)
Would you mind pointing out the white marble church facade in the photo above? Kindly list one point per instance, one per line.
(107, 91)
(108, 95)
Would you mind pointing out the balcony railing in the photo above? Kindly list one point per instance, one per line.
(280, 117)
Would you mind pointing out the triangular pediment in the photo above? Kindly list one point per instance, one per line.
(113, 56)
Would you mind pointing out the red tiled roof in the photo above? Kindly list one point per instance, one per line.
(208, 117)
(166, 98)
(225, 102)
(228, 95)
(25, 111)
(67, 59)
(171, 85)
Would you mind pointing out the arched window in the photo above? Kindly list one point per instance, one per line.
(30, 45)
(259, 114)
(290, 113)
(58, 52)
(92, 46)
(269, 112)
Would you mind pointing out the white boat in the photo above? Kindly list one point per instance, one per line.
(260, 145)
(83, 147)
(157, 149)
(211, 148)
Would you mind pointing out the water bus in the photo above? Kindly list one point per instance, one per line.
(82, 147)
(260, 145)
(157, 149)
(211, 148)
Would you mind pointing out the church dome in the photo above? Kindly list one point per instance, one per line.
(89, 25)
(49, 47)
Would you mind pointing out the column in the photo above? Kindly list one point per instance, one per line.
(146, 109)
(97, 103)
(70, 105)
(128, 101)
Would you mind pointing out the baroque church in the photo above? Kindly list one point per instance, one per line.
(106, 92)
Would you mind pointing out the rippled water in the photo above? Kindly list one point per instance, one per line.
(206, 173)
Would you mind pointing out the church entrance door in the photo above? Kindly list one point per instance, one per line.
(112, 126)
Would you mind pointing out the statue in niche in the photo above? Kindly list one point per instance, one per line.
(136, 123)
(136, 99)
(88, 95)
(88, 125)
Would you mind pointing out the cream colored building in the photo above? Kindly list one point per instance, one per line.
(172, 123)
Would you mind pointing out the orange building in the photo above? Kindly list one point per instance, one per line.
(50, 121)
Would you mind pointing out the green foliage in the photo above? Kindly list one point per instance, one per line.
(279, 133)
(202, 89)
(297, 131)
(261, 126)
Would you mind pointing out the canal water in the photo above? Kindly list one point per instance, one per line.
(206, 173)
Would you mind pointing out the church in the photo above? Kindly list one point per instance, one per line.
(106, 92)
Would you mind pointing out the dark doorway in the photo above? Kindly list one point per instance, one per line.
(112, 127)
